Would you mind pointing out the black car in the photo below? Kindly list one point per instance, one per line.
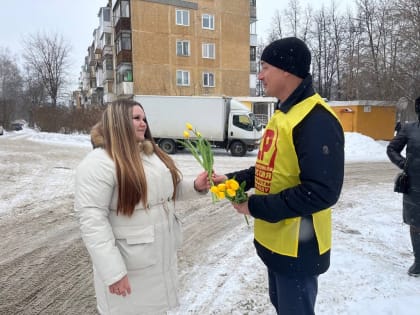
(17, 126)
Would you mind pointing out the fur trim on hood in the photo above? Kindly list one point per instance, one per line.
(96, 136)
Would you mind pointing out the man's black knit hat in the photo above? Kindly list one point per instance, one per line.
(289, 54)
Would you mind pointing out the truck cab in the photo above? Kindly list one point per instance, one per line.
(244, 130)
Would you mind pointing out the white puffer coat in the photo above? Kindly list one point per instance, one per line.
(142, 246)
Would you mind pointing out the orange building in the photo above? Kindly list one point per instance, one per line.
(375, 119)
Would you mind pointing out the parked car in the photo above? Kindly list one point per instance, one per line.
(1, 130)
(17, 126)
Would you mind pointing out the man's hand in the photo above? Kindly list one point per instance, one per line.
(242, 207)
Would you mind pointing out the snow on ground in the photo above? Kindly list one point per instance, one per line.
(371, 247)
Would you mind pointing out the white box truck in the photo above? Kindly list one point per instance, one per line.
(223, 121)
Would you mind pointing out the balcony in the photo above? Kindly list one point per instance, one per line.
(125, 88)
(252, 11)
(253, 67)
(253, 40)
(107, 50)
(124, 56)
(123, 24)
(108, 75)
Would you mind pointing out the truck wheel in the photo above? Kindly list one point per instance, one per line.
(237, 148)
(168, 145)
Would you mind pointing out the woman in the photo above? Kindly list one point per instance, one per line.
(409, 137)
(125, 194)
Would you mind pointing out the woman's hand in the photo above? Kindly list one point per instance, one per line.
(202, 183)
(121, 287)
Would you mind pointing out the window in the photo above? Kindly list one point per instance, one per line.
(122, 9)
(182, 48)
(182, 77)
(253, 53)
(208, 51)
(123, 42)
(208, 21)
(208, 79)
(182, 17)
(125, 73)
(107, 14)
(243, 122)
(253, 28)
(108, 63)
(106, 39)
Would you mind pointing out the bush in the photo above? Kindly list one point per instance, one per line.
(66, 120)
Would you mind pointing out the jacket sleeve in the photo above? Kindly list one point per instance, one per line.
(186, 191)
(395, 146)
(93, 192)
(319, 145)
(247, 175)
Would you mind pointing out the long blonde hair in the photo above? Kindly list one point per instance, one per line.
(121, 145)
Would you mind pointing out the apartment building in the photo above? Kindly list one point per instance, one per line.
(172, 47)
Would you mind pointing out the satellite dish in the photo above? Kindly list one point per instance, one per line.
(402, 103)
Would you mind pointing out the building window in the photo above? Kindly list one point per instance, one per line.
(107, 14)
(253, 53)
(122, 9)
(208, 51)
(208, 21)
(106, 39)
(182, 48)
(182, 77)
(182, 17)
(208, 79)
(108, 63)
(123, 42)
(253, 28)
(125, 73)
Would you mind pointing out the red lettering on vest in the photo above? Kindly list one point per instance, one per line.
(267, 141)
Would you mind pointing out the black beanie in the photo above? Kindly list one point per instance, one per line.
(289, 54)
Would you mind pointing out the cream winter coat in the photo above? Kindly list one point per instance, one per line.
(142, 246)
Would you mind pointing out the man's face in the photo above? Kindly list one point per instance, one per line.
(272, 79)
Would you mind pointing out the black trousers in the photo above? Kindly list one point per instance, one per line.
(292, 295)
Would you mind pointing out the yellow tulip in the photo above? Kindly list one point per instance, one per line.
(231, 192)
(186, 134)
(221, 195)
(189, 126)
(232, 184)
(221, 187)
(214, 189)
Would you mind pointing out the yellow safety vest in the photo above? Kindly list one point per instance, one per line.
(277, 169)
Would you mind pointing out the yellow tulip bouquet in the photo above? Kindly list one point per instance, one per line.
(232, 191)
(200, 148)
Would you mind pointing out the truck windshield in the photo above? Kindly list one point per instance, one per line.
(256, 122)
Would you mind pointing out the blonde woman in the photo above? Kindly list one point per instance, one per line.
(124, 199)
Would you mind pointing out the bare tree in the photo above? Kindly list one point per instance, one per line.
(10, 89)
(408, 58)
(47, 57)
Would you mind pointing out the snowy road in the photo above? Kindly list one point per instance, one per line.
(45, 269)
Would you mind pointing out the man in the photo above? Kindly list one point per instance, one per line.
(298, 175)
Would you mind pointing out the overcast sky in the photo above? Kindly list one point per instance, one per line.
(75, 20)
